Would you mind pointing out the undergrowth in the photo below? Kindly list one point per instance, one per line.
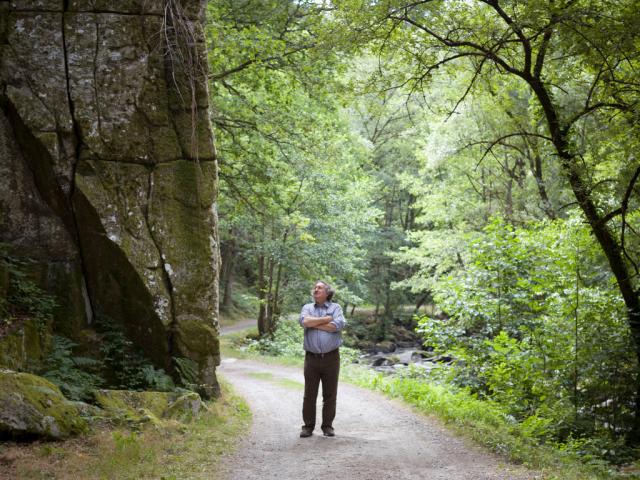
(119, 365)
(76, 376)
(125, 367)
(23, 298)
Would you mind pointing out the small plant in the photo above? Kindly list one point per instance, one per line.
(157, 379)
(124, 441)
(187, 371)
(125, 367)
(24, 299)
(75, 376)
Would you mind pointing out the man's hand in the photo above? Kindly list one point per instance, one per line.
(316, 322)
(327, 327)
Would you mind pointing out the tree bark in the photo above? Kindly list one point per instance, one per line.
(261, 284)
(275, 308)
(228, 266)
(269, 298)
(600, 229)
(535, 165)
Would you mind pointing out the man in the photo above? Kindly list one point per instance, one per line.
(322, 321)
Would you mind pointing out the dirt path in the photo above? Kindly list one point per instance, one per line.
(376, 438)
(237, 326)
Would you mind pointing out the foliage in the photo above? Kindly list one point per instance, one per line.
(487, 422)
(287, 341)
(24, 298)
(489, 150)
(76, 376)
(294, 200)
(536, 326)
(125, 367)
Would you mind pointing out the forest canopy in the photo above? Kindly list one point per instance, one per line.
(480, 156)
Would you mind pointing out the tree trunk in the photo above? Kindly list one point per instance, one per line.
(229, 260)
(607, 241)
(508, 204)
(269, 298)
(261, 284)
(275, 305)
(535, 165)
(275, 308)
(421, 301)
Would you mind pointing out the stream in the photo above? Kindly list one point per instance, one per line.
(401, 357)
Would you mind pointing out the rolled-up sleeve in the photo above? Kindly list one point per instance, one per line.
(338, 318)
(303, 313)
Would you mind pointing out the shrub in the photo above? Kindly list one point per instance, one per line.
(287, 341)
(536, 325)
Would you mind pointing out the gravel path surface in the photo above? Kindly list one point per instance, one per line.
(240, 325)
(376, 437)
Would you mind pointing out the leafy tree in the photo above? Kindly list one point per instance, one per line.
(393, 126)
(578, 60)
(294, 201)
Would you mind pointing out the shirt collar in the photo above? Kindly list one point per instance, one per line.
(325, 304)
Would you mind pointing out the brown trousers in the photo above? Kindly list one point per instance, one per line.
(318, 369)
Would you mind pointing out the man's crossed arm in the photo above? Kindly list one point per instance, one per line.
(321, 323)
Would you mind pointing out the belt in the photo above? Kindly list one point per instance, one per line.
(322, 355)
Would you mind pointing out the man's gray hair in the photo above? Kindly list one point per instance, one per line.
(327, 288)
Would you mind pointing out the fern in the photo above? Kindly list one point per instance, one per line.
(24, 298)
(125, 367)
(75, 376)
(187, 370)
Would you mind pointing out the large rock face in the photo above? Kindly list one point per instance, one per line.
(108, 170)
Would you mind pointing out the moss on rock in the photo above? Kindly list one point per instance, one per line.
(26, 346)
(186, 406)
(148, 407)
(101, 156)
(31, 406)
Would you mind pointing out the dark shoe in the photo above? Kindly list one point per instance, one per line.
(328, 432)
(306, 432)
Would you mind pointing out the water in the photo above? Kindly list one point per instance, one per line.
(401, 358)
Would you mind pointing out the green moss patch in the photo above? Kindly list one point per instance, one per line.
(32, 407)
(149, 407)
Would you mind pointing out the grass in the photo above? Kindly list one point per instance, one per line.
(483, 422)
(179, 451)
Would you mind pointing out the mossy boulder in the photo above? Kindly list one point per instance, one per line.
(148, 407)
(32, 407)
(185, 406)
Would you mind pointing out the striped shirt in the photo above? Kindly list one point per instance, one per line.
(319, 341)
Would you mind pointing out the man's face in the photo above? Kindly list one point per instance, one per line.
(320, 293)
